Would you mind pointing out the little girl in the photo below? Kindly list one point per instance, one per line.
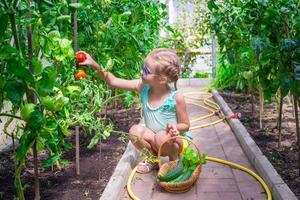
(164, 109)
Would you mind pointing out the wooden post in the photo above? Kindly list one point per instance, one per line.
(297, 128)
(77, 150)
(214, 56)
(75, 39)
(32, 99)
(280, 120)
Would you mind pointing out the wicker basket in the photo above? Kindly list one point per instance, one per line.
(166, 167)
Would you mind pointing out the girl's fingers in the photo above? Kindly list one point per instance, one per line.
(169, 126)
(83, 63)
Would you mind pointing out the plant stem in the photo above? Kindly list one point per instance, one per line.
(18, 183)
(112, 98)
(14, 32)
(9, 115)
(36, 173)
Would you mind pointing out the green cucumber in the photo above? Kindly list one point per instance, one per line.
(183, 177)
(174, 173)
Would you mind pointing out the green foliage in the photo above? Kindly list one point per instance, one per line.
(190, 159)
(120, 34)
(201, 75)
(117, 33)
(261, 37)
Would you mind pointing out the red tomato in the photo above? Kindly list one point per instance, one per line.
(81, 57)
(80, 74)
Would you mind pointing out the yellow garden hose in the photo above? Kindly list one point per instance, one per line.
(258, 178)
(213, 108)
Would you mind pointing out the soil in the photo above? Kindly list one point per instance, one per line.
(96, 166)
(285, 158)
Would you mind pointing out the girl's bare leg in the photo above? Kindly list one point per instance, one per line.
(142, 137)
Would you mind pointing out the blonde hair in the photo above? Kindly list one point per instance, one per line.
(167, 63)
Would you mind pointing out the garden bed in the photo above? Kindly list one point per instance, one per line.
(95, 168)
(284, 159)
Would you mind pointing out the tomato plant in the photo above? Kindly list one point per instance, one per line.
(37, 68)
(261, 37)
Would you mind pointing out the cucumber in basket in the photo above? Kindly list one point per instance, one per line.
(183, 177)
(174, 173)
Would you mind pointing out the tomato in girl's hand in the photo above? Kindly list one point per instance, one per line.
(81, 57)
(80, 74)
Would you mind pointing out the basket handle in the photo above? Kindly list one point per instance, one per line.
(180, 137)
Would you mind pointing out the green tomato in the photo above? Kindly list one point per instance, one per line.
(60, 103)
(73, 90)
(54, 104)
(49, 103)
(27, 111)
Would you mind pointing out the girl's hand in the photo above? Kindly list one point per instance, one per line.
(88, 61)
(172, 130)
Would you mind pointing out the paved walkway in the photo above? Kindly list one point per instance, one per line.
(216, 181)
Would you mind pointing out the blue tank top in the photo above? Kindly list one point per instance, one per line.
(157, 118)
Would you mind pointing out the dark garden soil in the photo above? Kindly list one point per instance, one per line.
(95, 168)
(284, 159)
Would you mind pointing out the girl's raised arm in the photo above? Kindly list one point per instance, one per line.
(109, 78)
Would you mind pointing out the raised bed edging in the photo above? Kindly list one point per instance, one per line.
(279, 189)
(118, 180)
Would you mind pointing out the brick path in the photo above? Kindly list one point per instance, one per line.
(216, 181)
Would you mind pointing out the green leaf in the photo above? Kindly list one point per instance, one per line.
(285, 86)
(211, 5)
(37, 66)
(297, 73)
(15, 91)
(19, 68)
(7, 52)
(259, 44)
(26, 141)
(68, 145)
(65, 131)
(64, 17)
(263, 2)
(129, 99)
(289, 45)
(50, 161)
(94, 141)
(3, 25)
(47, 82)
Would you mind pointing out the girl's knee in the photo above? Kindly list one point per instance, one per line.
(135, 132)
(135, 128)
